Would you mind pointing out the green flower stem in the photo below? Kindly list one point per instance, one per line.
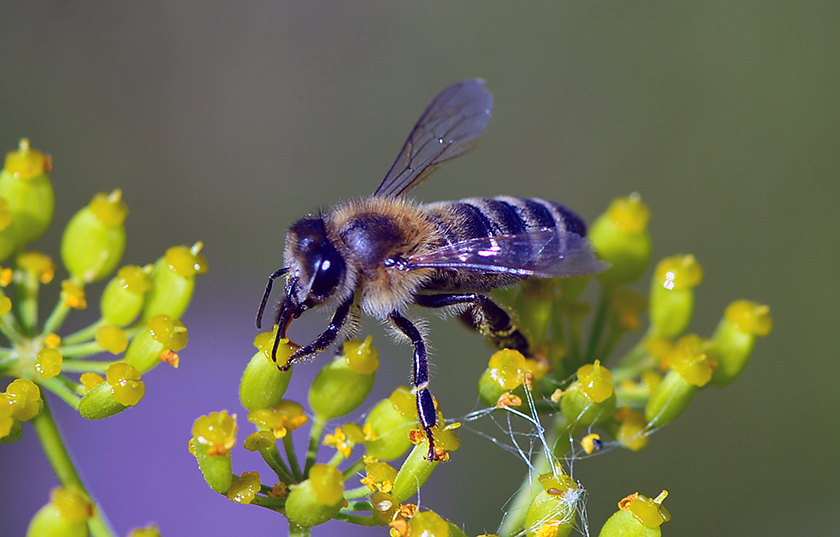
(598, 325)
(358, 519)
(289, 447)
(336, 459)
(54, 449)
(82, 349)
(314, 442)
(56, 318)
(613, 336)
(514, 522)
(634, 396)
(63, 467)
(26, 291)
(518, 509)
(358, 506)
(58, 386)
(10, 328)
(272, 457)
(354, 469)
(358, 492)
(275, 504)
(134, 330)
(633, 364)
(83, 366)
(85, 334)
(574, 358)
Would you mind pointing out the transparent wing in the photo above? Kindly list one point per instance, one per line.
(448, 128)
(542, 253)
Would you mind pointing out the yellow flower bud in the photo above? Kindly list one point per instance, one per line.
(48, 363)
(244, 489)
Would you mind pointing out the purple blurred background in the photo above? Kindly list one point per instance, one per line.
(225, 122)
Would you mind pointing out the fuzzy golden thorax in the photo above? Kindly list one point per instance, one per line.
(369, 231)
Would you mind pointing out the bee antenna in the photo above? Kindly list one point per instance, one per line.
(268, 286)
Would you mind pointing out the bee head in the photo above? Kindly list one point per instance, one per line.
(316, 269)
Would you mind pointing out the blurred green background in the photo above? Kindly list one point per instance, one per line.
(225, 122)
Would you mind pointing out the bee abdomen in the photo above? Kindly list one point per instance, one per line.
(504, 215)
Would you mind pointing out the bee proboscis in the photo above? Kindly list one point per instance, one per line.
(377, 255)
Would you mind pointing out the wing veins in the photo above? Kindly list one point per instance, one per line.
(451, 110)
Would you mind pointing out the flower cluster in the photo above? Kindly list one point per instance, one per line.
(595, 400)
(137, 325)
(311, 494)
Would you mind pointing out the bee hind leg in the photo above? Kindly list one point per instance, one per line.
(425, 404)
(486, 316)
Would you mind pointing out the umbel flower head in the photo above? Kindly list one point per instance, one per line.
(35, 350)
(97, 369)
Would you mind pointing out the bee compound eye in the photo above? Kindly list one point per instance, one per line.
(328, 275)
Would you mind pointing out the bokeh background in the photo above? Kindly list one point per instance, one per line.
(223, 122)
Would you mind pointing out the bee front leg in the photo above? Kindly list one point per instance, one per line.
(425, 405)
(322, 342)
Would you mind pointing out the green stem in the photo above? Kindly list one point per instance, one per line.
(59, 386)
(26, 291)
(83, 366)
(358, 506)
(56, 452)
(633, 363)
(598, 325)
(85, 334)
(336, 459)
(354, 469)
(47, 431)
(315, 432)
(289, 447)
(272, 457)
(358, 492)
(574, 358)
(634, 396)
(359, 520)
(10, 328)
(135, 329)
(613, 337)
(82, 349)
(632, 372)
(56, 318)
(275, 504)
(514, 523)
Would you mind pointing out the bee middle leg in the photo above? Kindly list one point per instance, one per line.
(425, 404)
(492, 319)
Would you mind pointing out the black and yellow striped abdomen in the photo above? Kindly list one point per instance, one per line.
(474, 218)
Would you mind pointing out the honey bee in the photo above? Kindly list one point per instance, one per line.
(379, 254)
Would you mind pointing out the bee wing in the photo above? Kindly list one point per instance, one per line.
(542, 253)
(448, 128)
